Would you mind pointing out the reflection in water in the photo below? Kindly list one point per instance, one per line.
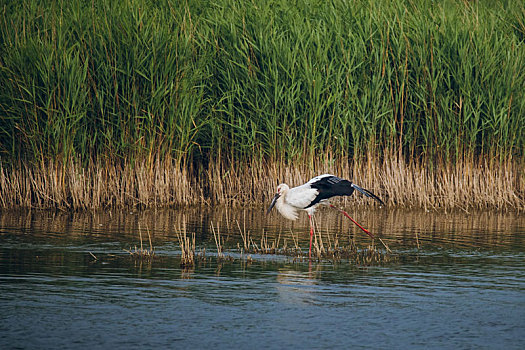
(66, 281)
(402, 229)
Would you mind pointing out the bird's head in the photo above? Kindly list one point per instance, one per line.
(281, 189)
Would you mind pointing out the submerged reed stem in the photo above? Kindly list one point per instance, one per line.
(218, 241)
(141, 252)
(187, 246)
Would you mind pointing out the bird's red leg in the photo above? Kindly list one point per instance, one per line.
(355, 222)
(311, 236)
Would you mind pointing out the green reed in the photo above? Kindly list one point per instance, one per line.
(195, 82)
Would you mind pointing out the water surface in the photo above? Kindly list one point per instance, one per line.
(457, 280)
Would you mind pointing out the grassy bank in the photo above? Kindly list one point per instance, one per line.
(133, 103)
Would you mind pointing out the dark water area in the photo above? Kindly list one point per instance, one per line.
(455, 280)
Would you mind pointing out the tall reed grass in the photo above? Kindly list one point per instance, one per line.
(140, 103)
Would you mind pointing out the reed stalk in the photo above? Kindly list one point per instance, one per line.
(219, 243)
(141, 252)
(187, 246)
(245, 235)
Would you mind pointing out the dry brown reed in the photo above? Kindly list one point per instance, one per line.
(351, 252)
(270, 247)
(465, 184)
(266, 246)
(141, 252)
(56, 185)
(295, 242)
(219, 242)
(187, 246)
(325, 245)
(245, 235)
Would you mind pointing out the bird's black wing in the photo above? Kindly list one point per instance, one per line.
(330, 186)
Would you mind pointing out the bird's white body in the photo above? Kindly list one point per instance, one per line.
(291, 200)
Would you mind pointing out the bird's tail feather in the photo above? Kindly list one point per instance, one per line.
(367, 193)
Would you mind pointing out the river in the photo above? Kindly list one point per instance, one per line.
(453, 280)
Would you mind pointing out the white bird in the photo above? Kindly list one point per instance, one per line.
(308, 196)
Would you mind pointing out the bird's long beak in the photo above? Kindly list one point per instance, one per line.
(274, 200)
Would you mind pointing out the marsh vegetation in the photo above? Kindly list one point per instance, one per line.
(134, 103)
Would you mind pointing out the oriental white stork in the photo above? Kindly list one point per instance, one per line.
(313, 193)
